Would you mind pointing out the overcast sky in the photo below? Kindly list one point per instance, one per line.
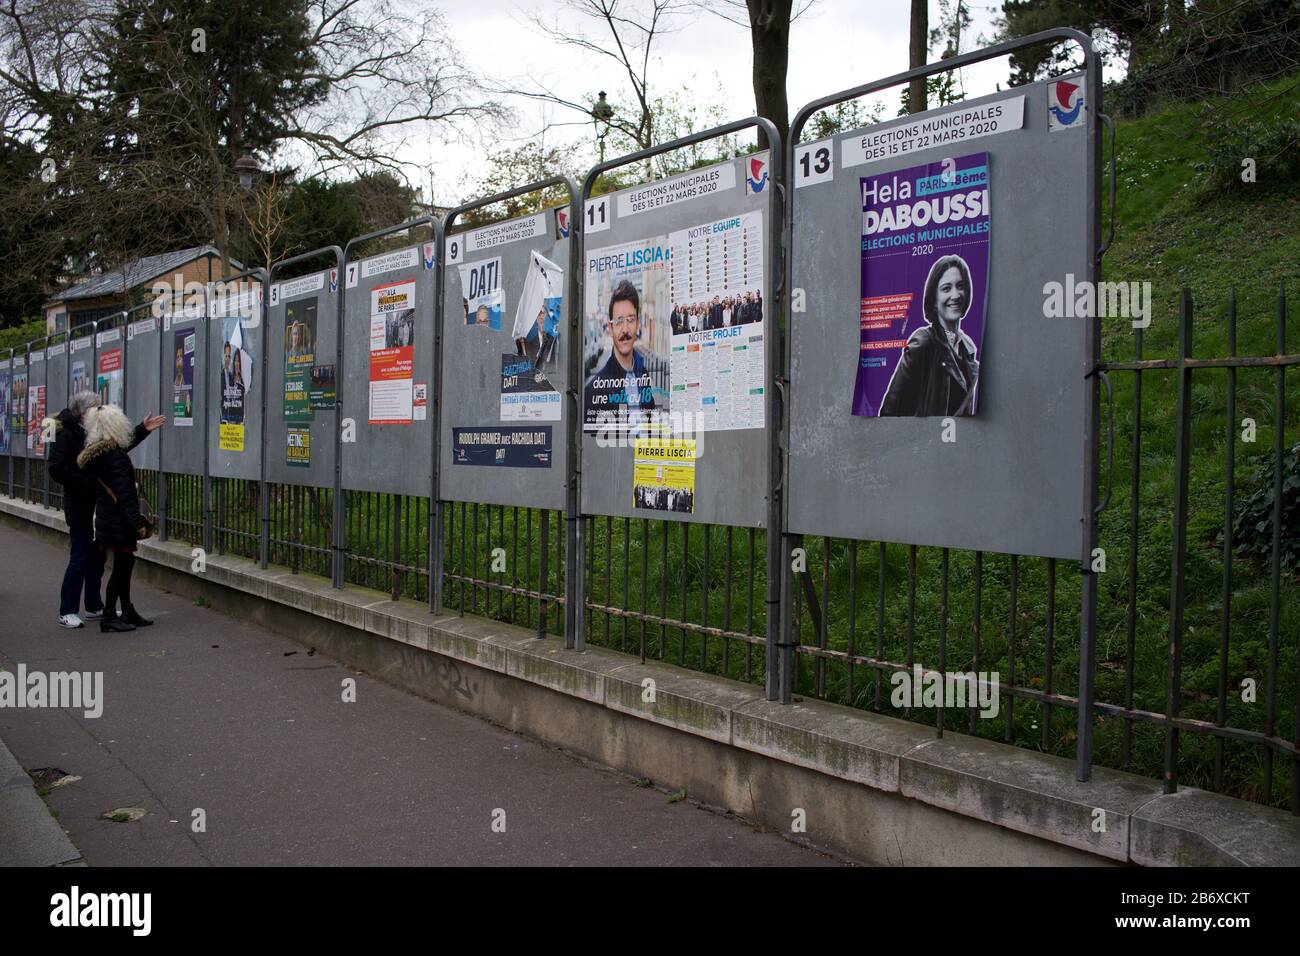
(835, 45)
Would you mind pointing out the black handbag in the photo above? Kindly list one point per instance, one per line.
(146, 511)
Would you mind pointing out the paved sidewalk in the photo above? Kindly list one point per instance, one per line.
(202, 711)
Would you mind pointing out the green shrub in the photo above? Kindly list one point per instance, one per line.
(1273, 143)
(1252, 525)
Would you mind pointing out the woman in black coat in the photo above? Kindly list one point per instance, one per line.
(938, 372)
(118, 522)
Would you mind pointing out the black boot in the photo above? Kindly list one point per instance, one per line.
(115, 624)
(132, 616)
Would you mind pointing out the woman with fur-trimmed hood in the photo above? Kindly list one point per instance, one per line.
(118, 522)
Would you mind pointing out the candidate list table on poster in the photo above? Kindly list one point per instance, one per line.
(718, 373)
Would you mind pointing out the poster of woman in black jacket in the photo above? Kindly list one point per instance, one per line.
(938, 372)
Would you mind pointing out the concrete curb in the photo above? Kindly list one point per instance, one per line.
(29, 836)
(1116, 816)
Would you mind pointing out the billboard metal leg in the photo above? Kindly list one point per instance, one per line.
(1087, 672)
(435, 556)
(785, 646)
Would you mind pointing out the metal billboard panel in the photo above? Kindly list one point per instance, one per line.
(1010, 477)
(386, 390)
(56, 375)
(20, 374)
(236, 386)
(503, 383)
(184, 374)
(302, 334)
(38, 401)
(143, 398)
(6, 411)
(698, 248)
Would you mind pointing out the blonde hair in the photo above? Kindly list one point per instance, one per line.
(108, 422)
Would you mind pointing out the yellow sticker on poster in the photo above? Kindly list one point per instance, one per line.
(663, 474)
(231, 438)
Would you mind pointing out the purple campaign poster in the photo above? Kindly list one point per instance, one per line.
(925, 263)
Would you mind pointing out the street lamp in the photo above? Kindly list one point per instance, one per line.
(602, 112)
(247, 168)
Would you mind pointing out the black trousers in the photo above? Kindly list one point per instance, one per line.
(119, 584)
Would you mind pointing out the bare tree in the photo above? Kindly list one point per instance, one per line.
(390, 69)
(624, 36)
(768, 22)
(267, 221)
(918, 51)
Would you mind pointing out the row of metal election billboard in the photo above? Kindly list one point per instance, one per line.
(855, 346)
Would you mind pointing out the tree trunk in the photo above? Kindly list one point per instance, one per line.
(918, 52)
(769, 22)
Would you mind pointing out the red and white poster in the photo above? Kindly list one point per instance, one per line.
(108, 383)
(392, 352)
(35, 419)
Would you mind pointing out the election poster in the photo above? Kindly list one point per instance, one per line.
(183, 378)
(925, 252)
(627, 336)
(297, 448)
(718, 367)
(484, 299)
(236, 380)
(502, 447)
(674, 330)
(78, 373)
(5, 424)
(299, 354)
(526, 393)
(18, 408)
(392, 352)
(322, 392)
(35, 416)
(108, 383)
(663, 474)
(537, 319)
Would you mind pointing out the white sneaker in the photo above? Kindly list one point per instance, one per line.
(93, 615)
(70, 620)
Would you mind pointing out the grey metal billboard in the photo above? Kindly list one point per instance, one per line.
(184, 374)
(18, 405)
(6, 415)
(504, 411)
(387, 380)
(701, 250)
(37, 387)
(1011, 476)
(234, 385)
(143, 397)
(56, 377)
(302, 334)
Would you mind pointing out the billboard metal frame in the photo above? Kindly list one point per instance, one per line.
(1089, 505)
(773, 331)
(572, 517)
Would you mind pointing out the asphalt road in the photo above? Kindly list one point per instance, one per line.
(204, 712)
